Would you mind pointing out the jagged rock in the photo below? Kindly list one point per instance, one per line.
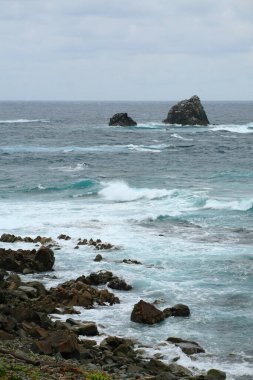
(179, 310)
(187, 346)
(27, 260)
(99, 278)
(122, 119)
(144, 312)
(215, 374)
(30, 291)
(10, 238)
(187, 112)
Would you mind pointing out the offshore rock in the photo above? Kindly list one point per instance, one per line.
(144, 312)
(122, 119)
(187, 112)
(178, 310)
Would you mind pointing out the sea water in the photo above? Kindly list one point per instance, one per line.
(177, 199)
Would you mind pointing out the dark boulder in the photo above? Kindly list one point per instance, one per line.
(122, 119)
(187, 112)
(144, 312)
(187, 346)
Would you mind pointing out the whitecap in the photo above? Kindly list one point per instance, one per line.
(21, 121)
(176, 136)
(120, 191)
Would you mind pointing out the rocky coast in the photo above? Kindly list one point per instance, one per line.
(33, 345)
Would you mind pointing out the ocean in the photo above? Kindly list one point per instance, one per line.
(177, 199)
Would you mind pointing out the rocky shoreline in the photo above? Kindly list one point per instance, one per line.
(29, 336)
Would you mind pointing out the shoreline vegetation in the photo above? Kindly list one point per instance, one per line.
(35, 346)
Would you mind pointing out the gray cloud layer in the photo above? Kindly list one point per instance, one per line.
(126, 49)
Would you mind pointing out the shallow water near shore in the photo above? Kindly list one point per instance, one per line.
(178, 199)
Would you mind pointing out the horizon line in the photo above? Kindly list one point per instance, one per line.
(119, 101)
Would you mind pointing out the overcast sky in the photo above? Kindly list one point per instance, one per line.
(126, 49)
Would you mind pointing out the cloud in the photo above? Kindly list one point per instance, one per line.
(92, 49)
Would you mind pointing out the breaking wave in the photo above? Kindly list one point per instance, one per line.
(24, 121)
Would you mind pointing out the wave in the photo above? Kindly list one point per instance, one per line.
(234, 128)
(176, 136)
(89, 149)
(149, 148)
(235, 205)
(23, 121)
(120, 191)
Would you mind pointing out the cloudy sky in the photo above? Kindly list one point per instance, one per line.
(126, 49)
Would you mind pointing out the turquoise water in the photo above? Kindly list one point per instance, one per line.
(178, 199)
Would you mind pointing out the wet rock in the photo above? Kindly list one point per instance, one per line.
(98, 258)
(215, 374)
(188, 347)
(119, 284)
(187, 112)
(144, 312)
(122, 119)
(179, 310)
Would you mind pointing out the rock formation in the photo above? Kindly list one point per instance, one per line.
(187, 112)
(122, 119)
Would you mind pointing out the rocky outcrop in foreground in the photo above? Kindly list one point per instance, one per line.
(122, 119)
(187, 112)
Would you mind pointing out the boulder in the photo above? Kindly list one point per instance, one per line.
(45, 259)
(144, 312)
(64, 342)
(215, 374)
(187, 346)
(122, 119)
(187, 112)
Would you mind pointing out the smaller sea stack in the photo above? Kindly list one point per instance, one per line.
(187, 112)
(122, 119)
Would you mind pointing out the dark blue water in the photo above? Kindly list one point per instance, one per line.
(179, 199)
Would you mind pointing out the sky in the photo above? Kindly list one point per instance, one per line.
(126, 49)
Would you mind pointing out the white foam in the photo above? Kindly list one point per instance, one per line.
(234, 128)
(236, 205)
